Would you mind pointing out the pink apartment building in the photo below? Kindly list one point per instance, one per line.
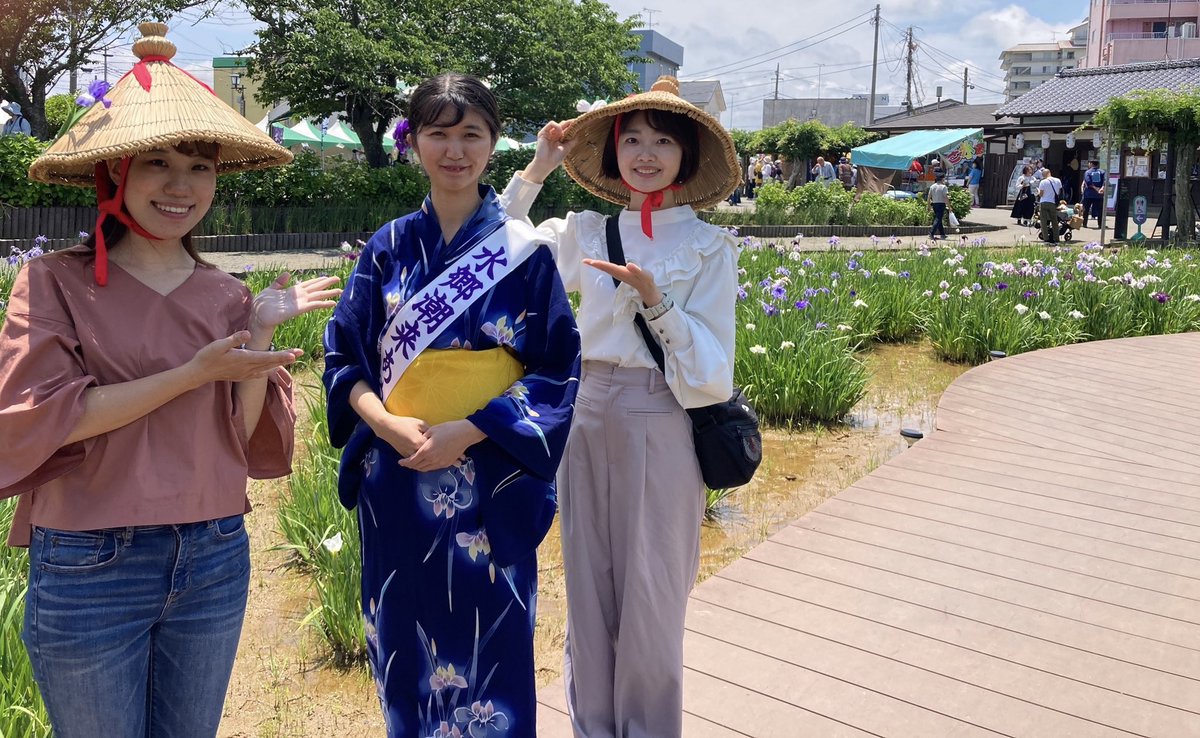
(1128, 31)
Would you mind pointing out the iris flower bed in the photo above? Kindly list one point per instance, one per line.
(803, 316)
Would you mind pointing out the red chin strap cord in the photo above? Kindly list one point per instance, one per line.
(110, 201)
(654, 199)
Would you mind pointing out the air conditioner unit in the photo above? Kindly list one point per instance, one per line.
(1188, 30)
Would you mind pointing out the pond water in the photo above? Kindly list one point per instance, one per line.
(802, 466)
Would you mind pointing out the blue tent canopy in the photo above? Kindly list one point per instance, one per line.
(899, 151)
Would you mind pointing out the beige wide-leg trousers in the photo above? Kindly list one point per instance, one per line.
(632, 503)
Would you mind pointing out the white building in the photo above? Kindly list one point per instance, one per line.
(1028, 65)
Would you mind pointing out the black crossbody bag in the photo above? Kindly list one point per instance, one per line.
(728, 442)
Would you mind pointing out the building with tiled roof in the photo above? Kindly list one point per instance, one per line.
(1074, 95)
(947, 114)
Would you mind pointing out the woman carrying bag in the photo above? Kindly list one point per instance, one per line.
(633, 495)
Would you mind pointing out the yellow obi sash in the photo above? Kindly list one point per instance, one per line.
(441, 385)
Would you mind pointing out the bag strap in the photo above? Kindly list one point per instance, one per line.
(616, 254)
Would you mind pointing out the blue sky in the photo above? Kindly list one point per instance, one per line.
(740, 44)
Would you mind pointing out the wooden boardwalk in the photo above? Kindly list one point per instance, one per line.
(1031, 568)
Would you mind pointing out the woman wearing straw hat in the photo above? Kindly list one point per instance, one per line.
(451, 366)
(137, 393)
(633, 497)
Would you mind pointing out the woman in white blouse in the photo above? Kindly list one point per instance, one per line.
(630, 485)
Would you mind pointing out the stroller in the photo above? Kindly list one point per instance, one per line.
(1068, 221)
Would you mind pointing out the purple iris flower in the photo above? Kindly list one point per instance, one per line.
(778, 292)
(765, 283)
(741, 293)
(854, 293)
(821, 324)
(1162, 297)
(783, 271)
(807, 263)
(1002, 285)
(802, 304)
(1029, 294)
(852, 264)
(769, 309)
(835, 275)
(401, 136)
(904, 275)
(40, 241)
(96, 92)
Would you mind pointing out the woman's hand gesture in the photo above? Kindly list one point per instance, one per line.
(224, 360)
(632, 275)
(404, 434)
(280, 303)
(445, 444)
(551, 151)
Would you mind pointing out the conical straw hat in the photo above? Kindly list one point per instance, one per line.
(717, 173)
(156, 105)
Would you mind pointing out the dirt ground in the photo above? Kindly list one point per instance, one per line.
(281, 688)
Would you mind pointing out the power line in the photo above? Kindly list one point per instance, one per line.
(767, 55)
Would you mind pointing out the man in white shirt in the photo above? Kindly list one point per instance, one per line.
(750, 179)
(1049, 191)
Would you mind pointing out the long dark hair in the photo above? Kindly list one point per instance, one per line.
(115, 230)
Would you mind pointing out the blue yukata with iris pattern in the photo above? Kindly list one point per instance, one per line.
(449, 582)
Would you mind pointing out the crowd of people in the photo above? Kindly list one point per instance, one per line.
(1048, 202)
(141, 388)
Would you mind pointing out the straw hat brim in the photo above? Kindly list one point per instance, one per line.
(717, 173)
(175, 109)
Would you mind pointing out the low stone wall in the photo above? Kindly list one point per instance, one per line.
(853, 231)
(252, 242)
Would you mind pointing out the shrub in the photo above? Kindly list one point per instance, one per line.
(17, 190)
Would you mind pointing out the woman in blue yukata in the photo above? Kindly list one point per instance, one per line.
(451, 366)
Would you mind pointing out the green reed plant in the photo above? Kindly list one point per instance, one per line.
(22, 714)
(323, 535)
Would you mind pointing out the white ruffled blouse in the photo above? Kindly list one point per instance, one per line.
(692, 260)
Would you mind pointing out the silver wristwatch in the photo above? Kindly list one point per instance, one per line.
(652, 313)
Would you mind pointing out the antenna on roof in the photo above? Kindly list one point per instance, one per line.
(648, 14)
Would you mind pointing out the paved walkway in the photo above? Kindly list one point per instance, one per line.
(1032, 568)
(1009, 235)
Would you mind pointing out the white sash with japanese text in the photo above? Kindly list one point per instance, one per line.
(419, 321)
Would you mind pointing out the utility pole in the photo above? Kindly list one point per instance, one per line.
(105, 54)
(910, 48)
(820, 69)
(874, 68)
(777, 81)
(74, 76)
(965, 71)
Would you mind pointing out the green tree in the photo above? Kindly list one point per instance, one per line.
(1163, 117)
(355, 57)
(841, 139)
(58, 107)
(40, 40)
(743, 142)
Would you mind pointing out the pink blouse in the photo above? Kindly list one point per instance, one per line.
(185, 462)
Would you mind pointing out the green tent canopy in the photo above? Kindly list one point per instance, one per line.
(898, 152)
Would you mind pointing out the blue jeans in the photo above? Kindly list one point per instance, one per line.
(132, 631)
(939, 212)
